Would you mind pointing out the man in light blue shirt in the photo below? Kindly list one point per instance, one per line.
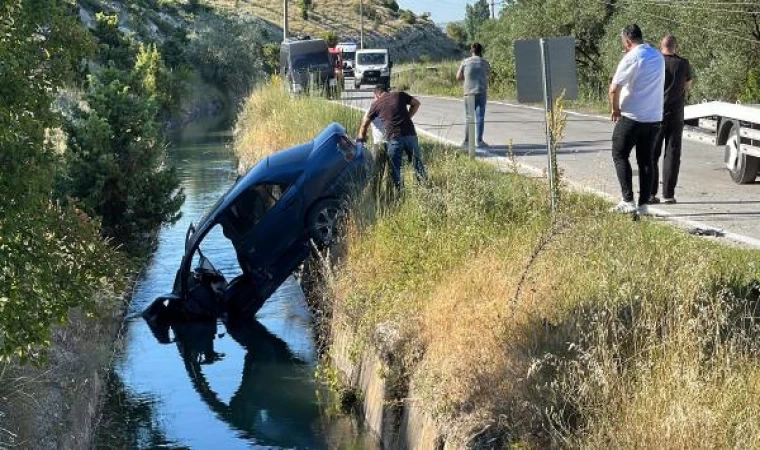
(474, 72)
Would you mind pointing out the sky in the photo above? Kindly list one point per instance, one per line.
(441, 11)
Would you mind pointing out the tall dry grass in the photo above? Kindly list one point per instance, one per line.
(588, 331)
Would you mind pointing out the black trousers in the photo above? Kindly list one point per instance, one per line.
(669, 136)
(627, 135)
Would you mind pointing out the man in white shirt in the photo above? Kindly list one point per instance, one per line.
(636, 99)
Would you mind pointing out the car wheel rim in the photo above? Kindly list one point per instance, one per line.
(732, 158)
(327, 223)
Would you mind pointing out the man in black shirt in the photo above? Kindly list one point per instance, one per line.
(396, 110)
(678, 81)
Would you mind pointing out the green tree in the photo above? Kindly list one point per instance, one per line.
(331, 38)
(116, 166)
(475, 16)
(306, 6)
(51, 257)
(456, 32)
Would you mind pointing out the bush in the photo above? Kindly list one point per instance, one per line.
(391, 4)
(331, 38)
(408, 16)
(228, 52)
(116, 166)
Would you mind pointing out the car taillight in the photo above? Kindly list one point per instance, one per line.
(347, 148)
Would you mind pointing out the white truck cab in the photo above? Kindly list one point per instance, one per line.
(372, 66)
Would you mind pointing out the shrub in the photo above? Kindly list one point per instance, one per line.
(115, 163)
(408, 16)
(391, 4)
(331, 38)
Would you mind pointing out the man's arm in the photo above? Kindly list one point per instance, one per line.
(614, 96)
(363, 128)
(460, 73)
(414, 105)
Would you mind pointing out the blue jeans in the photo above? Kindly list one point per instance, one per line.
(480, 116)
(396, 148)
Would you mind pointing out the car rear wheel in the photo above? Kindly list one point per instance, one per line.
(325, 221)
(742, 167)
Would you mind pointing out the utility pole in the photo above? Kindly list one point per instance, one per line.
(361, 20)
(285, 20)
(493, 9)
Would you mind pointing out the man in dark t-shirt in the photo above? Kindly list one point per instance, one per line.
(678, 81)
(396, 110)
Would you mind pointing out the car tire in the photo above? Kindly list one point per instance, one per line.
(325, 222)
(742, 167)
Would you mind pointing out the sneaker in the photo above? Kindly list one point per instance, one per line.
(624, 208)
(643, 210)
(483, 145)
(669, 201)
(653, 200)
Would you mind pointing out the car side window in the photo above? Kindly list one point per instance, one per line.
(253, 204)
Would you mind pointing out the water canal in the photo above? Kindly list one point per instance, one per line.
(218, 387)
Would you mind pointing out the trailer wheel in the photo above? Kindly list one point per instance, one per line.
(742, 167)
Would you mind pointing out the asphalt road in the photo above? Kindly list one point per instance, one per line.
(707, 198)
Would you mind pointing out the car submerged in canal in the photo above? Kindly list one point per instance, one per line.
(274, 215)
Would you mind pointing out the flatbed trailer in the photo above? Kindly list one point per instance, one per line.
(735, 127)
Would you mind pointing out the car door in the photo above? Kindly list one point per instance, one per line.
(277, 224)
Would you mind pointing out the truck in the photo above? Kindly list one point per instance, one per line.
(736, 127)
(373, 66)
(348, 49)
(305, 64)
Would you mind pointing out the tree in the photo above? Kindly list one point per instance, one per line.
(51, 257)
(116, 167)
(456, 32)
(475, 16)
(331, 38)
(306, 6)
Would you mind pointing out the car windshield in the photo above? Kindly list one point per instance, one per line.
(371, 59)
(311, 61)
(349, 56)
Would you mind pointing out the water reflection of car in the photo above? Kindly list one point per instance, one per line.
(271, 406)
(274, 215)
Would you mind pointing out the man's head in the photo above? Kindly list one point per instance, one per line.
(380, 90)
(476, 49)
(631, 36)
(669, 45)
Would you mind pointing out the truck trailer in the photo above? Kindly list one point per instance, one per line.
(736, 127)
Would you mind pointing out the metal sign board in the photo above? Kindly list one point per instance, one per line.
(529, 68)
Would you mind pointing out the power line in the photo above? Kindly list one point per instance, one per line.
(697, 8)
(722, 33)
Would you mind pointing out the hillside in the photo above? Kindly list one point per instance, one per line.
(383, 26)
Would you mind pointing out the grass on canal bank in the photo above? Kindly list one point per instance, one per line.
(590, 331)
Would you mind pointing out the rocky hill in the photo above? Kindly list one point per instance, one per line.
(383, 26)
(408, 36)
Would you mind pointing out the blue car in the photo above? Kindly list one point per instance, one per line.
(274, 215)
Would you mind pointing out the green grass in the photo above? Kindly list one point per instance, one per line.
(586, 331)
(440, 79)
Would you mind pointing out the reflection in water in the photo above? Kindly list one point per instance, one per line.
(249, 386)
(269, 400)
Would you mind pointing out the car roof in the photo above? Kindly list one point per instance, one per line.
(285, 161)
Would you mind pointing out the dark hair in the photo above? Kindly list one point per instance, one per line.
(633, 33)
(670, 42)
(476, 48)
(381, 88)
